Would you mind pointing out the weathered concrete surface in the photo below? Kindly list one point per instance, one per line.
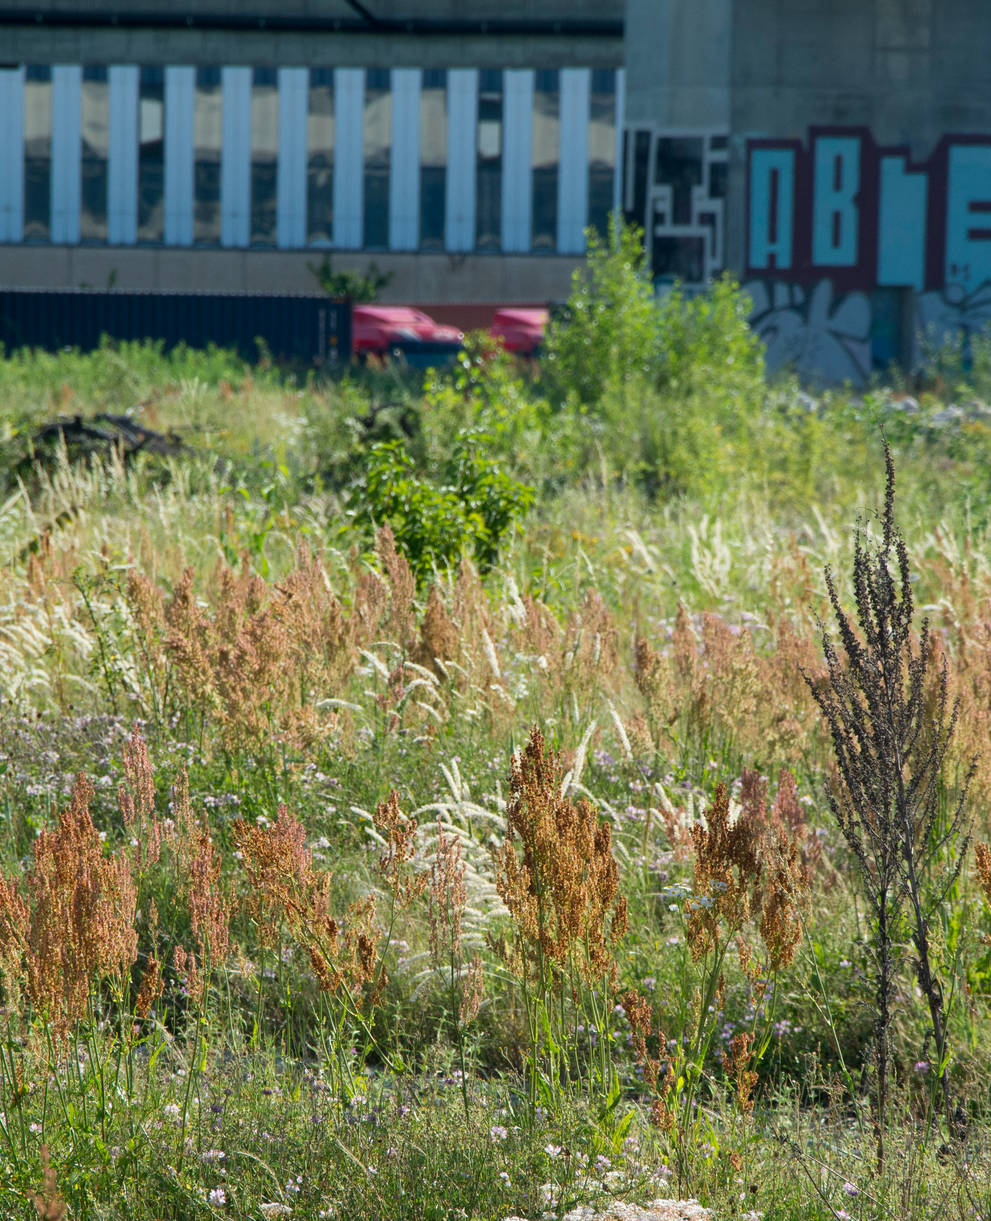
(33, 43)
(678, 62)
(507, 279)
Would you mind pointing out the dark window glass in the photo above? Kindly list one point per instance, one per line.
(95, 124)
(377, 153)
(488, 180)
(636, 169)
(38, 153)
(320, 158)
(679, 258)
(679, 166)
(264, 155)
(601, 148)
(208, 128)
(151, 155)
(546, 158)
(433, 159)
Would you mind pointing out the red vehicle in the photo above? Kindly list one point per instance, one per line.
(400, 332)
(521, 330)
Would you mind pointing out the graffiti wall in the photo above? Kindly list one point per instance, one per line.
(852, 249)
(836, 224)
(675, 189)
(843, 207)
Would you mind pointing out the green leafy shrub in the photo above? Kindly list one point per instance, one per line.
(473, 507)
(609, 332)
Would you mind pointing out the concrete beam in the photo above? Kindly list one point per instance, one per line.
(507, 279)
(30, 44)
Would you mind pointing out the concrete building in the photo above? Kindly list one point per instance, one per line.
(834, 154)
(462, 145)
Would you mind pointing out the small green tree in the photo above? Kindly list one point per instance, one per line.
(609, 331)
(350, 285)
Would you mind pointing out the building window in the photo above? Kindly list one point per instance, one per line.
(264, 155)
(601, 148)
(433, 158)
(38, 153)
(95, 127)
(208, 126)
(546, 158)
(151, 155)
(377, 155)
(488, 178)
(320, 158)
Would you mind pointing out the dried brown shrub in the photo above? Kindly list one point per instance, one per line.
(75, 927)
(747, 870)
(257, 658)
(286, 889)
(439, 639)
(561, 884)
(983, 854)
(401, 620)
(394, 865)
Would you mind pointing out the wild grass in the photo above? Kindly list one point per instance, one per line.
(333, 884)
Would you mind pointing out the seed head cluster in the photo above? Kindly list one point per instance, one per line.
(556, 871)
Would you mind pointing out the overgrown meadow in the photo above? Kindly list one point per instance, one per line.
(497, 793)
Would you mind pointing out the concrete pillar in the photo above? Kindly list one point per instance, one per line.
(517, 159)
(67, 166)
(404, 185)
(294, 84)
(180, 86)
(235, 158)
(11, 154)
(122, 166)
(349, 169)
(572, 179)
(462, 141)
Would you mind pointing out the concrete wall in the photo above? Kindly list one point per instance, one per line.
(507, 279)
(910, 71)
(202, 43)
(678, 62)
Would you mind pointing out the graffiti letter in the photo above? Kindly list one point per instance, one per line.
(901, 255)
(968, 215)
(835, 215)
(772, 205)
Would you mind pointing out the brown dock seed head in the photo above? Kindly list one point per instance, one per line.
(209, 903)
(983, 854)
(15, 928)
(472, 992)
(439, 637)
(736, 1061)
(399, 832)
(727, 863)
(48, 1204)
(284, 885)
(562, 887)
(150, 989)
(447, 897)
(82, 915)
(285, 888)
(137, 797)
(751, 869)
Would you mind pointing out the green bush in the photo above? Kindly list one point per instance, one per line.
(471, 506)
(609, 334)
